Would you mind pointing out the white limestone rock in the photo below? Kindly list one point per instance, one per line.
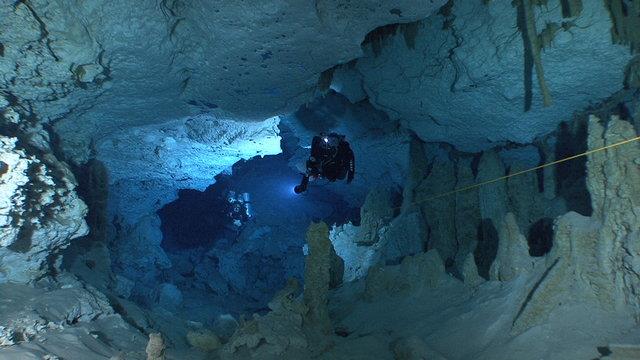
(40, 213)
(156, 347)
(357, 259)
(241, 60)
(42, 43)
(204, 340)
(3, 102)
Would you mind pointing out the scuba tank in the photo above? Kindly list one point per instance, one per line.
(247, 204)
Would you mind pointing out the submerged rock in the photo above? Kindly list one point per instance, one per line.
(317, 275)
(513, 252)
(418, 272)
(204, 340)
(155, 347)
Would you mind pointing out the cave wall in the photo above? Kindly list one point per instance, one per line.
(40, 211)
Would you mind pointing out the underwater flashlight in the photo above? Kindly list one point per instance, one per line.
(326, 139)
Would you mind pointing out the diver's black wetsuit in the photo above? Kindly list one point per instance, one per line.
(331, 158)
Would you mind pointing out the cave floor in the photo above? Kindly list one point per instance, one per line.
(454, 320)
(458, 322)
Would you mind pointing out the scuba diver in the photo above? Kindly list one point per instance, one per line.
(331, 158)
(238, 209)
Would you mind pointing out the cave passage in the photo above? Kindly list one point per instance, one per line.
(199, 218)
(241, 269)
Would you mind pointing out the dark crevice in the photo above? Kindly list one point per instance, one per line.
(570, 176)
(378, 36)
(487, 247)
(326, 77)
(475, 162)
(23, 242)
(448, 24)
(44, 33)
(571, 8)
(540, 237)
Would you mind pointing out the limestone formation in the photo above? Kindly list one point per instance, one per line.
(357, 259)
(376, 212)
(317, 276)
(613, 180)
(40, 212)
(406, 235)
(294, 327)
(418, 170)
(156, 347)
(595, 258)
(419, 272)
(271, 336)
(493, 196)
(513, 252)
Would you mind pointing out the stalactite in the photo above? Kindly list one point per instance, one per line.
(532, 47)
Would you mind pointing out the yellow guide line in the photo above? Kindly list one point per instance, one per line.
(474, 186)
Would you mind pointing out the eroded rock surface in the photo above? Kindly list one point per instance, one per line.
(458, 77)
(40, 212)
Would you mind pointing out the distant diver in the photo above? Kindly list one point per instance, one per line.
(331, 158)
(239, 209)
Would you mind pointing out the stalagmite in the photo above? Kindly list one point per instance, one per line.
(156, 347)
(317, 275)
